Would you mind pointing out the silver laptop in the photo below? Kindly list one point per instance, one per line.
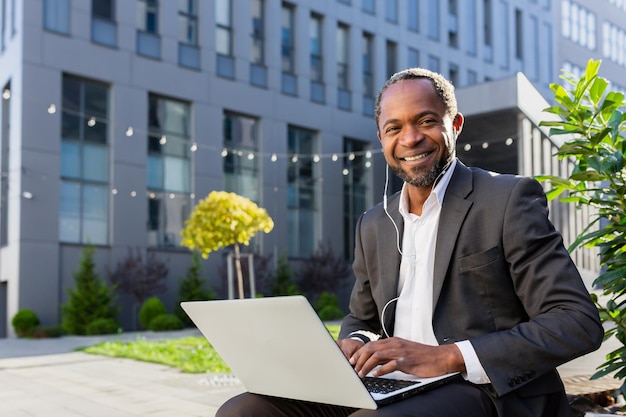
(278, 346)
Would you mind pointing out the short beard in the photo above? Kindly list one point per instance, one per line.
(419, 179)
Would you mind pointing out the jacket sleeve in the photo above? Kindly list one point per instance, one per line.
(563, 323)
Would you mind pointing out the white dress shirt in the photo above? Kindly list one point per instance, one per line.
(414, 309)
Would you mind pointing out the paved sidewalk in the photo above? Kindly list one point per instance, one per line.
(48, 378)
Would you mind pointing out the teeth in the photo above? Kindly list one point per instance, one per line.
(415, 158)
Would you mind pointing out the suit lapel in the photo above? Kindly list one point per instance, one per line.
(390, 259)
(453, 211)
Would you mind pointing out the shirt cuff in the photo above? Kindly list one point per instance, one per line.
(474, 371)
(364, 336)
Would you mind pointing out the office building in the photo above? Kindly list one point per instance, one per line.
(117, 116)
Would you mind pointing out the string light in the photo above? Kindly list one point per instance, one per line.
(52, 109)
(194, 147)
(91, 122)
(6, 94)
(129, 131)
(163, 140)
(316, 158)
(274, 157)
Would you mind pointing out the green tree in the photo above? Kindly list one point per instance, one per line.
(192, 288)
(223, 219)
(282, 281)
(592, 117)
(90, 299)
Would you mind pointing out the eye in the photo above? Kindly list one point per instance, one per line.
(391, 129)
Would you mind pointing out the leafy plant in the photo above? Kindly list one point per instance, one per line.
(102, 326)
(593, 119)
(89, 300)
(323, 271)
(150, 309)
(192, 288)
(24, 322)
(164, 322)
(141, 279)
(327, 307)
(282, 282)
(223, 219)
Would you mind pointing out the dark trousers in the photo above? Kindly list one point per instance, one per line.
(460, 399)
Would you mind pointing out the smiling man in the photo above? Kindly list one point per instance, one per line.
(460, 271)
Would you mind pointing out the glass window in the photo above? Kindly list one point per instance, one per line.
(356, 164)
(315, 39)
(413, 16)
(148, 41)
(471, 31)
(84, 205)
(188, 22)
(223, 19)
(287, 39)
(368, 6)
(392, 58)
(103, 26)
(148, 16)
(343, 57)
(391, 11)
(257, 52)
(368, 65)
(302, 189)
(56, 15)
(241, 146)
(5, 175)
(519, 34)
(433, 19)
(168, 170)
(103, 9)
(413, 58)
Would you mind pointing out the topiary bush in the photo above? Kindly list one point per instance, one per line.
(25, 322)
(150, 309)
(327, 307)
(164, 322)
(102, 326)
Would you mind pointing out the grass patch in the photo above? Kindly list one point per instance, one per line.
(189, 354)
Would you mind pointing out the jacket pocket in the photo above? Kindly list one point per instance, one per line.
(477, 260)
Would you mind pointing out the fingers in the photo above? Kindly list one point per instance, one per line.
(373, 354)
(349, 346)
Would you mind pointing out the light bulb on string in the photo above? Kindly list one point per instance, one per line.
(163, 140)
(274, 157)
(294, 159)
(224, 153)
(91, 122)
(129, 131)
(52, 109)
(335, 157)
(250, 156)
(316, 158)
(6, 94)
(194, 147)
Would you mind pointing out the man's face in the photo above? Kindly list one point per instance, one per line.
(417, 135)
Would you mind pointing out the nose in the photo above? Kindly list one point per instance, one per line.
(411, 136)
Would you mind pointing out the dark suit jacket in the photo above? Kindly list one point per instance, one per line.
(502, 279)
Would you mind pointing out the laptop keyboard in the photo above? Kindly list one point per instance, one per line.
(385, 385)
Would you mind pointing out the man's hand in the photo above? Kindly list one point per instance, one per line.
(396, 354)
(349, 346)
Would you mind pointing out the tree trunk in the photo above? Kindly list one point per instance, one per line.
(239, 272)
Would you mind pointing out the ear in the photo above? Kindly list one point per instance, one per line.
(457, 123)
(378, 136)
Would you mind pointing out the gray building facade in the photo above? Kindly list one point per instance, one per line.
(117, 116)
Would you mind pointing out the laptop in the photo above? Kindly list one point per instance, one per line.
(277, 346)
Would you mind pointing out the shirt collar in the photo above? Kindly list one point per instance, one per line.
(437, 192)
